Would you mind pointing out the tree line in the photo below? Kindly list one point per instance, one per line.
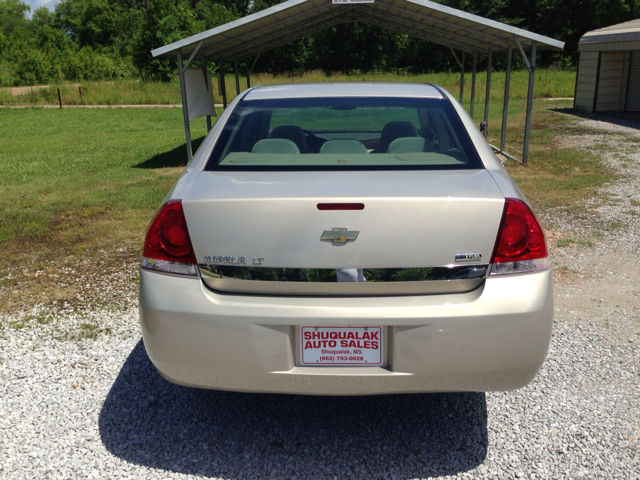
(109, 39)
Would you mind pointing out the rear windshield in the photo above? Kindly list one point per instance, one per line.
(344, 134)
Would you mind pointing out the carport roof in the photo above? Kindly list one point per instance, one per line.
(295, 19)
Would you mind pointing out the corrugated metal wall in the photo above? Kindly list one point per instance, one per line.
(633, 102)
(586, 82)
(612, 82)
(619, 76)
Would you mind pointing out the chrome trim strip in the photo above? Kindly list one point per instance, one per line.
(342, 289)
(379, 281)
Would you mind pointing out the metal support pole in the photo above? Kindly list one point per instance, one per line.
(223, 84)
(473, 84)
(487, 95)
(461, 65)
(235, 71)
(524, 55)
(497, 150)
(250, 69)
(193, 54)
(527, 126)
(254, 62)
(185, 107)
(203, 65)
(622, 89)
(594, 109)
(505, 107)
(462, 78)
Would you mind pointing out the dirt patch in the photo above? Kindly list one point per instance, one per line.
(103, 279)
(594, 245)
(17, 91)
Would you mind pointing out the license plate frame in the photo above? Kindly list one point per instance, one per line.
(346, 346)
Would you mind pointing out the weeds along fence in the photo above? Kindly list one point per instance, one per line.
(549, 84)
(121, 92)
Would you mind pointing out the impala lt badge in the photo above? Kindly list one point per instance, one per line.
(468, 257)
(225, 259)
(339, 235)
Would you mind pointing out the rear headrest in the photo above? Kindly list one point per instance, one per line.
(277, 146)
(293, 133)
(411, 145)
(393, 130)
(343, 145)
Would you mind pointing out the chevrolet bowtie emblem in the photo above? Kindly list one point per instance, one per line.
(339, 235)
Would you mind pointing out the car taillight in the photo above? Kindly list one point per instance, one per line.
(167, 246)
(520, 246)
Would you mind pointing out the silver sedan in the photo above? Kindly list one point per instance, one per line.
(346, 239)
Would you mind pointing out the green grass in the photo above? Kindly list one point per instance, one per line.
(89, 330)
(549, 84)
(82, 184)
(77, 189)
(556, 176)
(567, 242)
(78, 179)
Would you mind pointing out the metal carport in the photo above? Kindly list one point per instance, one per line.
(246, 38)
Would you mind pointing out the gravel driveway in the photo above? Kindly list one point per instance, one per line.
(96, 408)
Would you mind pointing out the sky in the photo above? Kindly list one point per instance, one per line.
(36, 4)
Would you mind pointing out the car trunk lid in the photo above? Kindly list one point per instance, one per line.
(267, 226)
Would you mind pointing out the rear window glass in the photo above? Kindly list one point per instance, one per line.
(344, 133)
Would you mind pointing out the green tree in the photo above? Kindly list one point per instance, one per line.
(15, 38)
(92, 39)
(170, 21)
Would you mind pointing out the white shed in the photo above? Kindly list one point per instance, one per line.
(608, 77)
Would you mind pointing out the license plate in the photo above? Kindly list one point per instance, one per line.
(341, 346)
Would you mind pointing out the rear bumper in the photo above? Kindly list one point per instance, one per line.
(493, 338)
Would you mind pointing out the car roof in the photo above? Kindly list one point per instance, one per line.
(343, 89)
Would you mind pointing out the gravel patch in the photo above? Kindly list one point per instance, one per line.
(97, 409)
(80, 399)
(611, 217)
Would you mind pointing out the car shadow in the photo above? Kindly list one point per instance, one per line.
(176, 157)
(630, 120)
(149, 421)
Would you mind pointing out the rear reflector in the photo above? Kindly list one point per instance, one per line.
(169, 267)
(341, 206)
(522, 266)
(520, 246)
(167, 246)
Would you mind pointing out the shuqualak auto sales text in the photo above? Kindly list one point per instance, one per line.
(347, 340)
